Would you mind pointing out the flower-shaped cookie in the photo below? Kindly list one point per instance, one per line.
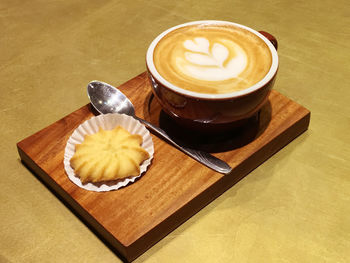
(108, 155)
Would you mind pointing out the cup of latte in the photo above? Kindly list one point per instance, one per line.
(209, 75)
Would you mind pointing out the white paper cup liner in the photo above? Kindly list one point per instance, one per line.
(107, 122)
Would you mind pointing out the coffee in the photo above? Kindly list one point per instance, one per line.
(212, 58)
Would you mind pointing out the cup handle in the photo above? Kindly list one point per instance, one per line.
(270, 37)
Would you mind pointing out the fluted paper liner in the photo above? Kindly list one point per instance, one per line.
(107, 122)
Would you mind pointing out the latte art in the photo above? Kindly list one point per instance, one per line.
(211, 65)
(210, 58)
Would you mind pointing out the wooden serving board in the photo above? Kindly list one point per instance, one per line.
(175, 186)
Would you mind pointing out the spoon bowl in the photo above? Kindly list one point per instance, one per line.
(108, 99)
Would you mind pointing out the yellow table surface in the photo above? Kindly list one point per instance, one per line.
(293, 208)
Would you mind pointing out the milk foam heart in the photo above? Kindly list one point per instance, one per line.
(212, 58)
(211, 64)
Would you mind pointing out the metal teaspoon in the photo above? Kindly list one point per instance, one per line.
(108, 99)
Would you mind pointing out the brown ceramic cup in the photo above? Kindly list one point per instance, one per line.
(211, 112)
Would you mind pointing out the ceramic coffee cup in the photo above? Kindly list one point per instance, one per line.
(211, 75)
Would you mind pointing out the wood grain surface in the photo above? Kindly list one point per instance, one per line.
(175, 186)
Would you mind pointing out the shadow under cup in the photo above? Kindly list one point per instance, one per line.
(211, 113)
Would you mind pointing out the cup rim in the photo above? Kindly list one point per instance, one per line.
(151, 67)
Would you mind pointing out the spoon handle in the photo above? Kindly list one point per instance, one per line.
(202, 157)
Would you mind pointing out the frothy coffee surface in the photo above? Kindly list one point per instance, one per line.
(212, 58)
